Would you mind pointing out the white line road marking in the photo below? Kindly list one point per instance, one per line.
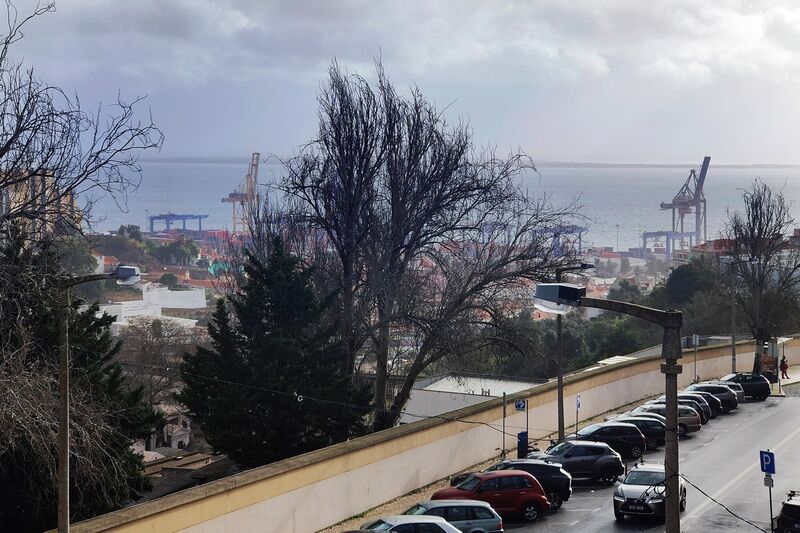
(733, 481)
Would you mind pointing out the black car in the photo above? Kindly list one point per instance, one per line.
(712, 401)
(789, 519)
(653, 430)
(702, 409)
(755, 386)
(723, 393)
(584, 459)
(624, 438)
(556, 482)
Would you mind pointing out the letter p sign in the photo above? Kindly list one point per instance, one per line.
(767, 462)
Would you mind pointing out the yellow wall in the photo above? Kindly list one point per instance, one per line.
(318, 489)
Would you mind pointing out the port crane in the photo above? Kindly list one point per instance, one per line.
(246, 196)
(691, 199)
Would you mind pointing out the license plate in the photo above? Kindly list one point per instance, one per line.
(637, 507)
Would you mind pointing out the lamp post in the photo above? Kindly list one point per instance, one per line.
(560, 350)
(671, 321)
(125, 275)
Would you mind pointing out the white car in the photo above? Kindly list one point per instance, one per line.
(642, 492)
(411, 524)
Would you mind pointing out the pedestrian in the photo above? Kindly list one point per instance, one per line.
(784, 368)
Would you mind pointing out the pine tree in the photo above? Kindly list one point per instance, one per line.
(270, 386)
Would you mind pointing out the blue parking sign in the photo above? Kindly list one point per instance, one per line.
(767, 462)
(520, 405)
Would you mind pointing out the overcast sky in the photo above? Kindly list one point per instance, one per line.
(584, 80)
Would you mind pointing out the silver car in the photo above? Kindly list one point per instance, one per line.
(735, 387)
(642, 492)
(469, 516)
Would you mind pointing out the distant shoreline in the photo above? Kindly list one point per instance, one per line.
(272, 160)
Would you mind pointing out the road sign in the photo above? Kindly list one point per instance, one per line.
(768, 480)
(578, 402)
(767, 462)
(519, 405)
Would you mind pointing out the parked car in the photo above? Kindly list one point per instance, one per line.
(755, 385)
(653, 430)
(789, 518)
(642, 492)
(703, 401)
(705, 415)
(506, 491)
(468, 516)
(646, 414)
(723, 393)
(624, 438)
(585, 459)
(556, 482)
(735, 387)
(688, 419)
(411, 524)
(713, 401)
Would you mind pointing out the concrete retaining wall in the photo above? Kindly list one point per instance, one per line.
(310, 492)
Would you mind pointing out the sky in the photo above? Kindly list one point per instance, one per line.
(644, 81)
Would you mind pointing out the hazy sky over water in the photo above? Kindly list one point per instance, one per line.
(585, 80)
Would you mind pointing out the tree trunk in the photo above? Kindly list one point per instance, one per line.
(381, 370)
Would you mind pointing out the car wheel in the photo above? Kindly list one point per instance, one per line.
(619, 516)
(683, 501)
(555, 501)
(608, 477)
(530, 512)
(636, 452)
(682, 430)
(651, 444)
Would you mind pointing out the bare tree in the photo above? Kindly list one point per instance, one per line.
(431, 235)
(765, 263)
(52, 151)
(151, 353)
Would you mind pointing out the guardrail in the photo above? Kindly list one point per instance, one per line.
(318, 489)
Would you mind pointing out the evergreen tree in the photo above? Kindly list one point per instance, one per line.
(269, 386)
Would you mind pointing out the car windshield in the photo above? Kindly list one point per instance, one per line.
(558, 449)
(417, 509)
(644, 477)
(380, 525)
(791, 511)
(588, 430)
(470, 483)
(728, 377)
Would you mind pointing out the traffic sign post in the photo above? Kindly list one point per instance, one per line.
(522, 405)
(767, 459)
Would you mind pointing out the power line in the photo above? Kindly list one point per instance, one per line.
(704, 493)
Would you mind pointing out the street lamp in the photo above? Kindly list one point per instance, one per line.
(125, 275)
(671, 321)
(561, 310)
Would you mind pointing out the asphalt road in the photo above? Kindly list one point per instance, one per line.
(721, 459)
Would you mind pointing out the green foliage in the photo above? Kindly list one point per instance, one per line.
(280, 342)
(182, 252)
(626, 292)
(624, 265)
(688, 279)
(169, 279)
(126, 250)
(130, 231)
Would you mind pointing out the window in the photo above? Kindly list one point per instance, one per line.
(427, 528)
(470, 483)
(594, 450)
(490, 484)
(456, 513)
(380, 525)
(409, 528)
(417, 509)
(510, 483)
(436, 511)
(481, 513)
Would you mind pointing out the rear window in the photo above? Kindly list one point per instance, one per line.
(481, 513)
(456, 513)
(417, 509)
(470, 483)
(380, 525)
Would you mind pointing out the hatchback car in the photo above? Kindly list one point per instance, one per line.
(688, 419)
(468, 516)
(642, 492)
(507, 491)
(711, 400)
(626, 439)
(705, 415)
(735, 387)
(755, 386)
(704, 402)
(556, 482)
(411, 524)
(585, 459)
(723, 393)
(654, 431)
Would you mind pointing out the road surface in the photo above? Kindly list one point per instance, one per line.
(721, 459)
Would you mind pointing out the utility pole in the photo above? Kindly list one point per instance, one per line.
(733, 318)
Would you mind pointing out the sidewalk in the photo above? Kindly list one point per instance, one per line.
(794, 377)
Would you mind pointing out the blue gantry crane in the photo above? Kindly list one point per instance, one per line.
(170, 218)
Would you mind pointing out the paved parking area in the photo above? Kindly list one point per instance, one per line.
(721, 459)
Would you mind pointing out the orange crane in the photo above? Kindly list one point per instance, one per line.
(246, 196)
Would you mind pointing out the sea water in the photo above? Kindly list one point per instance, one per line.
(618, 203)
